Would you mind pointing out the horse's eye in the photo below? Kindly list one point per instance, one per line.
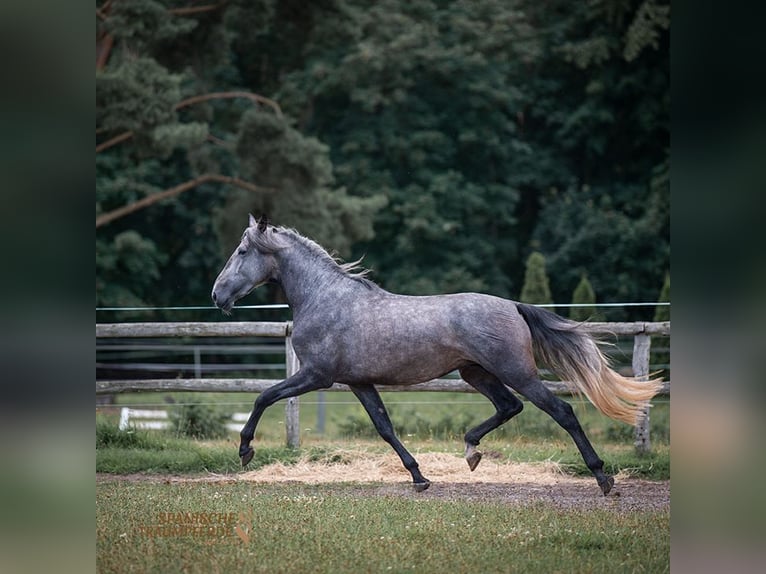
(241, 250)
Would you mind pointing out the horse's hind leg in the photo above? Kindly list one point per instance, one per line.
(373, 404)
(505, 402)
(562, 412)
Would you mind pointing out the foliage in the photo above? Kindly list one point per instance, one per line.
(173, 248)
(108, 435)
(584, 295)
(422, 107)
(660, 351)
(649, 21)
(199, 420)
(299, 171)
(127, 259)
(410, 422)
(450, 423)
(446, 141)
(136, 450)
(662, 312)
(421, 421)
(536, 289)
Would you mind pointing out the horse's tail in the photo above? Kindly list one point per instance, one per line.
(574, 356)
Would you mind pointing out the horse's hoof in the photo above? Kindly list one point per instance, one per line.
(247, 457)
(421, 486)
(473, 460)
(606, 484)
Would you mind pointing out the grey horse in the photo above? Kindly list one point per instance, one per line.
(347, 329)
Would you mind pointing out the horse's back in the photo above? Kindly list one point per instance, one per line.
(399, 339)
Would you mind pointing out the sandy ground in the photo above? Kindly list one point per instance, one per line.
(358, 474)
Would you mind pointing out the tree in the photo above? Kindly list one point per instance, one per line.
(536, 289)
(660, 350)
(602, 114)
(299, 168)
(583, 295)
(420, 102)
(589, 229)
(662, 312)
(179, 166)
(443, 140)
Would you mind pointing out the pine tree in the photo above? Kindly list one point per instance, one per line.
(660, 345)
(583, 295)
(536, 289)
(662, 313)
(437, 138)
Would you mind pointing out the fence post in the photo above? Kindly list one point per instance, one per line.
(197, 363)
(292, 408)
(642, 345)
(321, 412)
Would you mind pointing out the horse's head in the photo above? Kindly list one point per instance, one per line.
(246, 269)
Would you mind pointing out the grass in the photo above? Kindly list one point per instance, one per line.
(421, 415)
(171, 527)
(423, 423)
(294, 528)
(125, 452)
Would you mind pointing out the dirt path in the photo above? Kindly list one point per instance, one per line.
(629, 494)
(362, 474)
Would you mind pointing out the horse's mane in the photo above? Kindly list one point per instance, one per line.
(274, 239)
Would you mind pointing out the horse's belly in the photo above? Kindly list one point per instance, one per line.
(400, 365)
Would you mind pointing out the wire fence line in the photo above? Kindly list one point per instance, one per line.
(479, 399)
(286, 306)
(192, 308)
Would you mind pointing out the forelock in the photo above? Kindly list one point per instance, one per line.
(268, 241)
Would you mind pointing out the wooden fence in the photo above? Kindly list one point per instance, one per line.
(640, 331)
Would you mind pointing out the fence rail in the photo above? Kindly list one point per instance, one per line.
(260, 385)
(153, 419)
(640, 331)
(282, 329)
(229, 329)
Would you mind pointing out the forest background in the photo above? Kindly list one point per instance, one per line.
(445, 142)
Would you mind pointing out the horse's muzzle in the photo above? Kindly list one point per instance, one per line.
(223, 305)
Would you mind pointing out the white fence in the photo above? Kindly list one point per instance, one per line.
(640, 331)
(158, 420)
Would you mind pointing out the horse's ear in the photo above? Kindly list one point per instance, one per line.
(262, 223)
(251, 221)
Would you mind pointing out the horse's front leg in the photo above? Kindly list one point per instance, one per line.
(303, 381)
(372, 403)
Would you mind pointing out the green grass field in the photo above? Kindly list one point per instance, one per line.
(337, 528)
(420, 414)
(424, 421)
(228, 526)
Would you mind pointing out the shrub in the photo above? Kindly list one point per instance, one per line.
(536, 289)
(584, 294)
(108, 435)
(662, 313)
(660, 345)
(199, 421)
(409, 421)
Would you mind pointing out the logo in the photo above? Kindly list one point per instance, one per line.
(207, 527)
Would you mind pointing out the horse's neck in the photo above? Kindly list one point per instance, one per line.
(309, 282)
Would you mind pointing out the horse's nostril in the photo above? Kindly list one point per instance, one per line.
(215, 299)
